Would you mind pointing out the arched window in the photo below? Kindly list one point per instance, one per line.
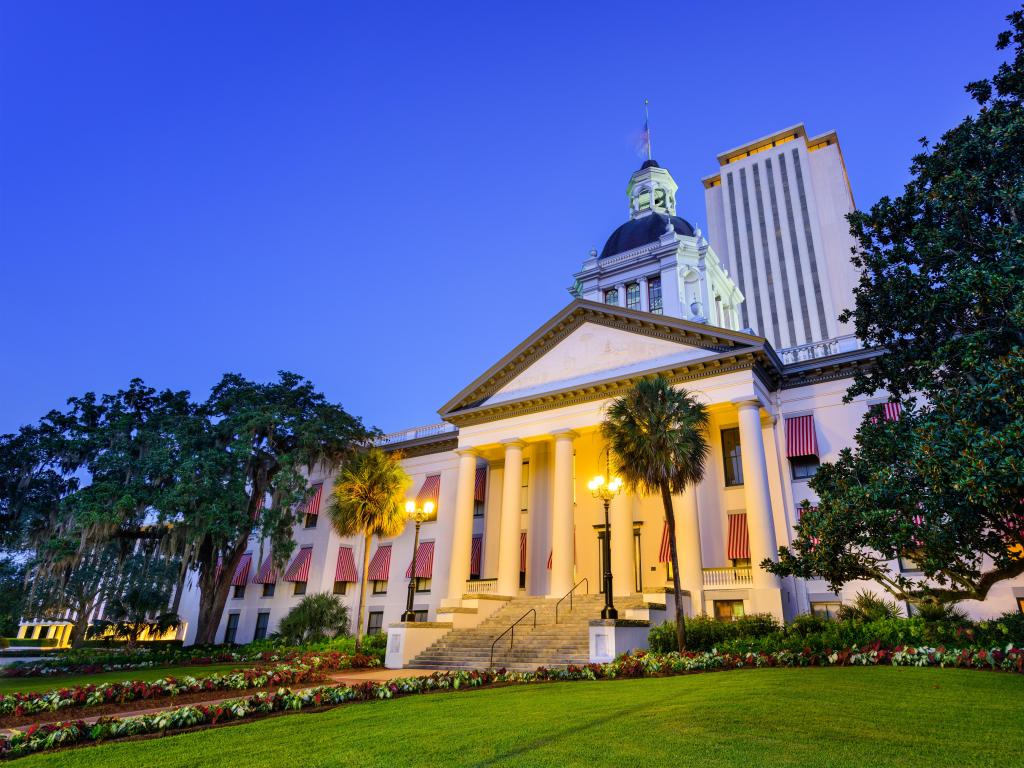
(659, 198)
(611, 296)
(633, 296)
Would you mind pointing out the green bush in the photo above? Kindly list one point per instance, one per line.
(662, 637)
(316, 618)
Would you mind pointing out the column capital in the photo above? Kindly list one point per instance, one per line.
(513, 442)
(467, 451)
(749, 402)
(564, 434)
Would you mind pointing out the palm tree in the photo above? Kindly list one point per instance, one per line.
(658, 436)
(368, 500)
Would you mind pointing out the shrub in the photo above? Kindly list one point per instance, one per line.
(662, 637)
(318, 617)
(867, 606)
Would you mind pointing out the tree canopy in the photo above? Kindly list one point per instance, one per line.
(942, 291)
(197, 479)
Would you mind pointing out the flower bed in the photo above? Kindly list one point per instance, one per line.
(307, 668)
(640, 664)
(54, 667)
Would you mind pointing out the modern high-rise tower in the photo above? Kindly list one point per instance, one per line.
(777, 219)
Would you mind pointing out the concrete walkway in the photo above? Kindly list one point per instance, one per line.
(341, 677)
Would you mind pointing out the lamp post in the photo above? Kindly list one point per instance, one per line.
(606, 489)
(418, 515)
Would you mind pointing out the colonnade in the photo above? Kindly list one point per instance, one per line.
(623, 512)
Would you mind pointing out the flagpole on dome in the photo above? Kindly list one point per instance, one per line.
(647, 128)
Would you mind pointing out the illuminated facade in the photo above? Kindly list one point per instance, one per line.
(509, 463)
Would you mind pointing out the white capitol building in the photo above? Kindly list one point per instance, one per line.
(744, 316)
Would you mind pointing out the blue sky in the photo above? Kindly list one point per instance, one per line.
(386, 198)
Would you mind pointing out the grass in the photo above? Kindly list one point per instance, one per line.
(834, 717)
(50, 683)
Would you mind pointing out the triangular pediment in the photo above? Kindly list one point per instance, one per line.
(593, 352)
(589, 342)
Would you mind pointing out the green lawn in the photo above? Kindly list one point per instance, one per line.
(12, 684)
(774, 717)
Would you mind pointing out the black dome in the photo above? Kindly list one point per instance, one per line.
(646, 229)
(650, 164)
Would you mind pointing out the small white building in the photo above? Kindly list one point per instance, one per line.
(509, 463)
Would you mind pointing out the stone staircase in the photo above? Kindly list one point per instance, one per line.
(548, 644)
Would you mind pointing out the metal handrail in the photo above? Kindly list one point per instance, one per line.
(569, 595)
(511, 629)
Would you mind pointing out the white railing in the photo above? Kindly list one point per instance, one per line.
(728, 577)
(818, 349)
(481, 586)
(416, 432)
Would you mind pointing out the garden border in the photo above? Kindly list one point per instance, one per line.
(641, 664)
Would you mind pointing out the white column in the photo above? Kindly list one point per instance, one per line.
(691, 567)
(645, 303)
(562, 572)
(508, 548)
(760, 524)
(620, 516)
(462, 525)
(621, 288)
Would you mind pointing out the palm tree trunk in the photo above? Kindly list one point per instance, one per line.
(670, 518)
(362, 592)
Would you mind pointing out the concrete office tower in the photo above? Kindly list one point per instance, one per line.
(776, 218)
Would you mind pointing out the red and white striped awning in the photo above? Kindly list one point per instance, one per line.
(242, 571)
(313, 505)
(429, 491)
(892, 411)
(299, 569)
(424, 561)
(665, 551)
(258, 508)
(380, 564)
(800, 511)
(267, 574)
(480, 486)
(738, 543)
(800, 437)
(346, 568)
(219, 568)
(474, 555)
(522, 551)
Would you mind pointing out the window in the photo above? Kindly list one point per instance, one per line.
(239, 591)
(731, 456)
(907, 563)
(262, 620)
(311, 520)
(420, 615)
(643, 200)
(633, 296)
(804, 467)
(825, 609)
(741, 562)
(422, 585)
(380, 587)
(300, 588)
(268, 590)
(1020, 604)
(478, 508)
(639, 580)
(232, 628)
(728, 610)
(524, 492)
(659, 198)
(611, 296)
(654, 295)
(340, 587)
(374, 622)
